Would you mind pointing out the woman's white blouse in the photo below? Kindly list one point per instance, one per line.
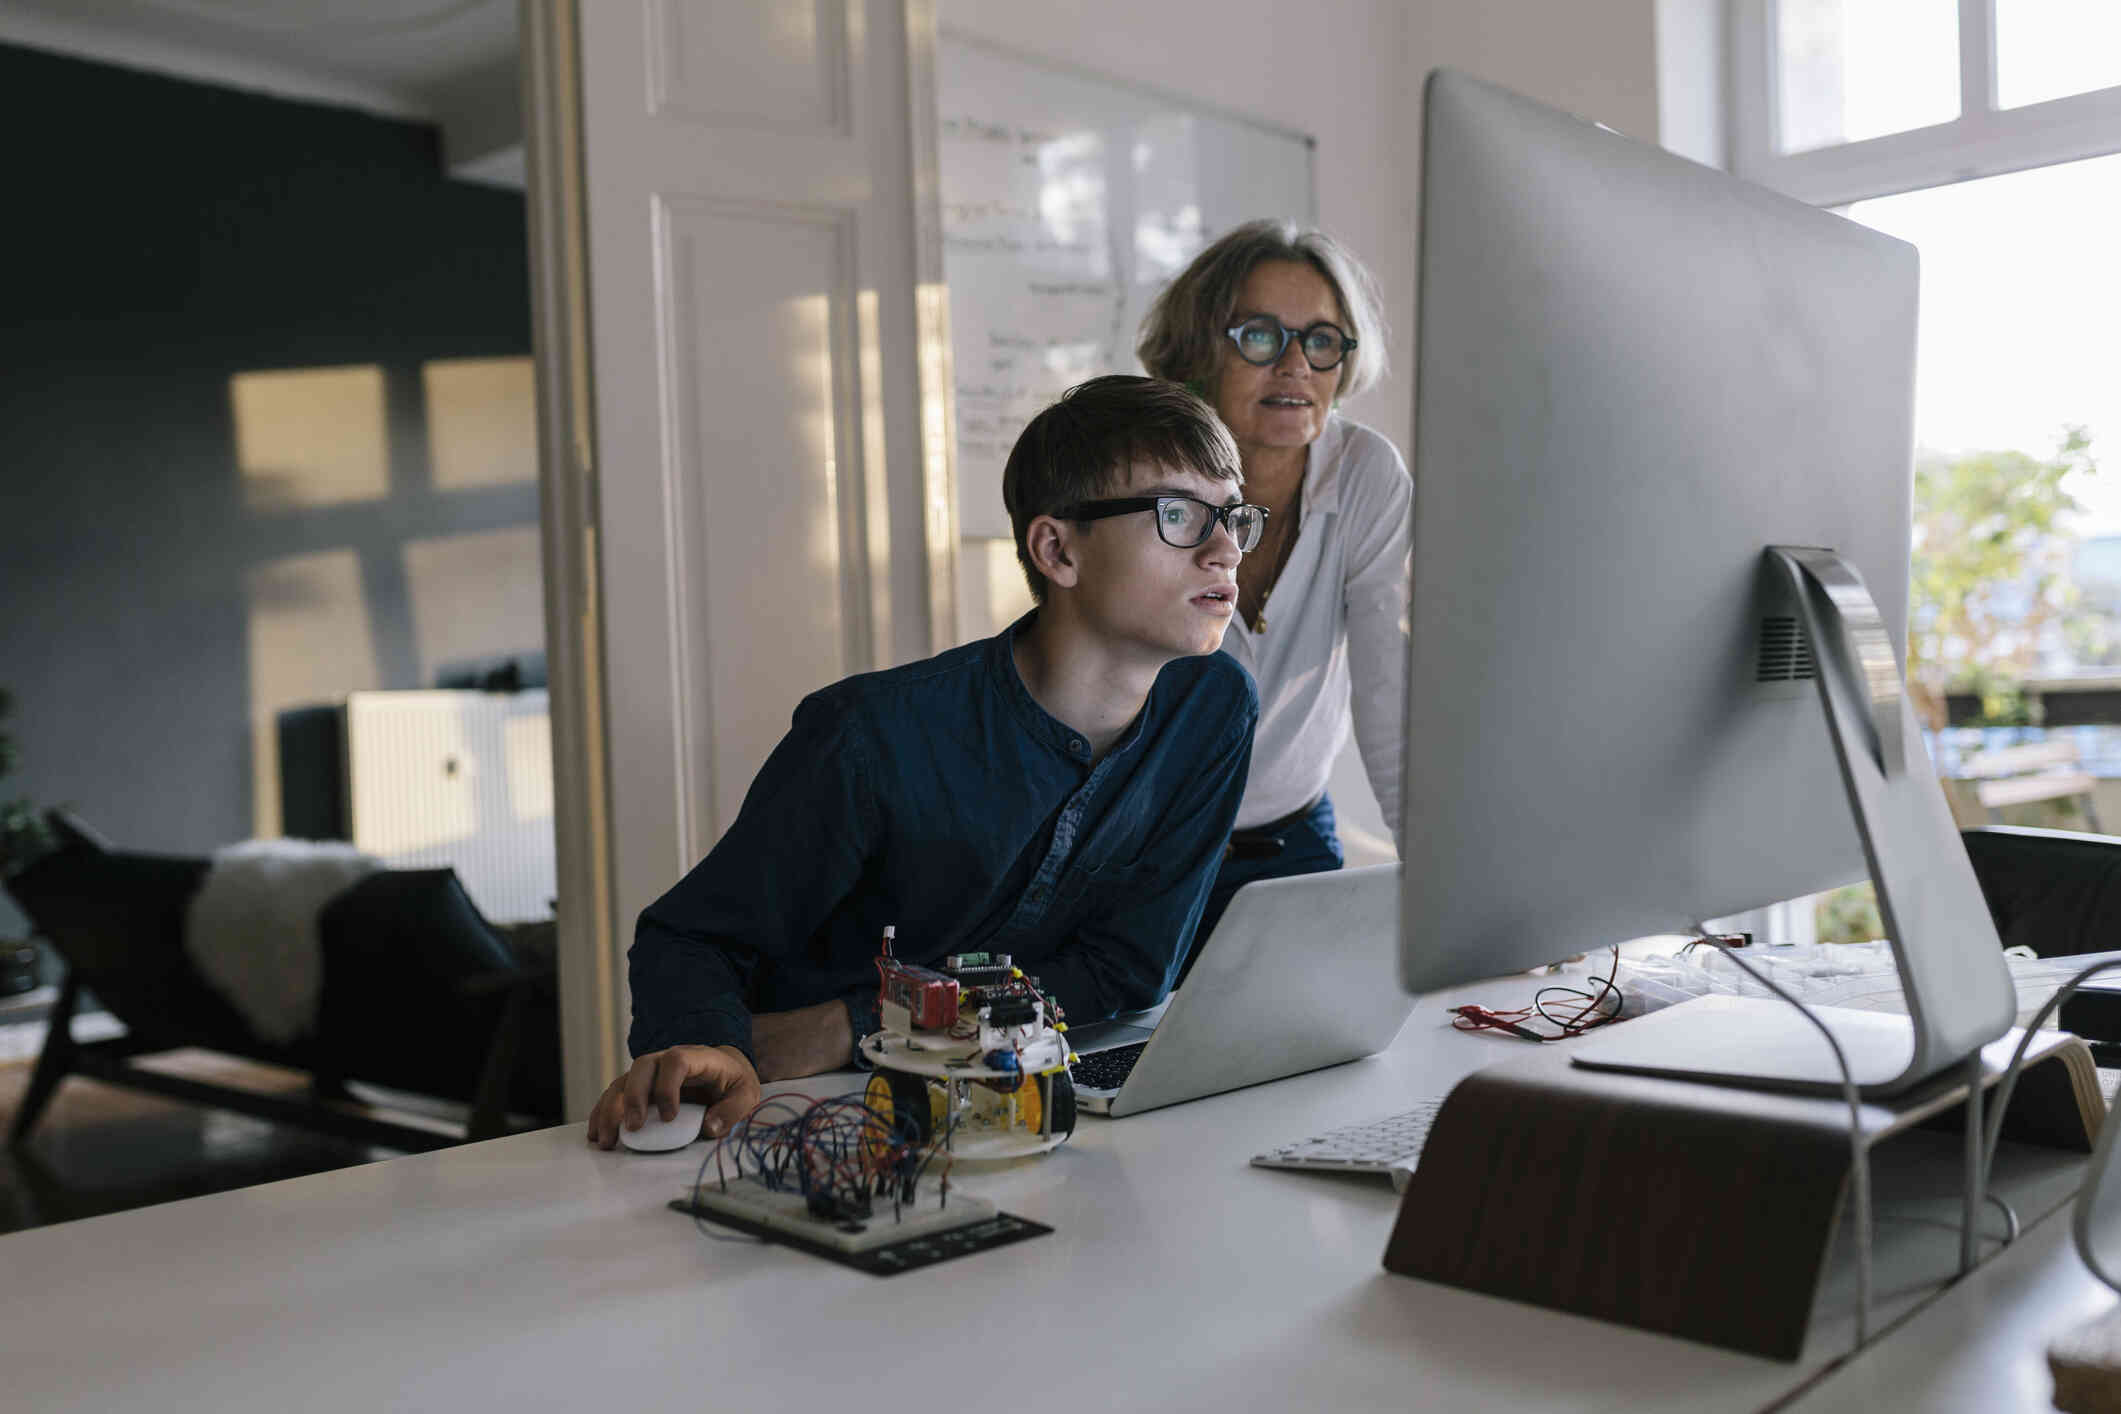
(1335, 644)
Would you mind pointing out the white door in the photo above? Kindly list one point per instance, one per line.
(759, 510)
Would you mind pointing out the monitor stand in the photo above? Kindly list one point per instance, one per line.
(1710, 1211)
(1958, 987)
(1761, 1042)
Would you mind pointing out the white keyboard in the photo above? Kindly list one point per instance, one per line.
(1391, 1145)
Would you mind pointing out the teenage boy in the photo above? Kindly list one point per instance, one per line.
(1060, 792)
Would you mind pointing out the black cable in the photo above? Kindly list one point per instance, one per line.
(1577, 1024)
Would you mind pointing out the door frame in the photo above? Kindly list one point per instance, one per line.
(591, 937)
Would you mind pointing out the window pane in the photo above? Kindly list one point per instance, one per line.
(2053, 48)
(1853, 69)
(2018, 398)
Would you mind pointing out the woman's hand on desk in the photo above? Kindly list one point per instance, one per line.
(719, 1077)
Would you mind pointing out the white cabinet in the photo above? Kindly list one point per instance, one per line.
(457, 778)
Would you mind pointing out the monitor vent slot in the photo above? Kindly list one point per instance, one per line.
(1784, 654)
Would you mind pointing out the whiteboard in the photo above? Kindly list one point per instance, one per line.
(1068, 202)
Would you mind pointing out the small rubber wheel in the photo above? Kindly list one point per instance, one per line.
(1058, 1092)
(898, 1097)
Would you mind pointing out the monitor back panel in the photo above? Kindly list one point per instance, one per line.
(1635, 374)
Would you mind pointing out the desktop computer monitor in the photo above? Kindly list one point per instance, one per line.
(1625, 716)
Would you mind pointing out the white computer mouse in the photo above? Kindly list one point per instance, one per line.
(657, 1135)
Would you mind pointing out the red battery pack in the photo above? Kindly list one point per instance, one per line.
(929, 997)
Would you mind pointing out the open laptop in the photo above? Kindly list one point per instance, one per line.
(1297, 975)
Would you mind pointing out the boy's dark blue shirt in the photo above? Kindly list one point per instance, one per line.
(940, 798)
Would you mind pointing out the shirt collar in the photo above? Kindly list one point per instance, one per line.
(1044, 727)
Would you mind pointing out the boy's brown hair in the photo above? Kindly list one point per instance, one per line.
(1081, 447)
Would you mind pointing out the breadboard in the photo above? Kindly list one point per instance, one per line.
(921, 1234)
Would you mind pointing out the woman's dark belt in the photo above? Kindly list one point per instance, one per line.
(1266, 841)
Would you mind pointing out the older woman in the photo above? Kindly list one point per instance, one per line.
(1274, 325)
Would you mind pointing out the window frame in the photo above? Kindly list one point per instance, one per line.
(1983, 141)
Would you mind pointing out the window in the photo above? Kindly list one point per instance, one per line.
(1988, 134)
(2049, 49)
(1836, 101)
(2009, 182)
(2018, 397)
(1848, 70)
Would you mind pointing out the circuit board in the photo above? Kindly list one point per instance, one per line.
(920, 1235)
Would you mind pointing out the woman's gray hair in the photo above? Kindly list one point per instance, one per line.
(1183, 336)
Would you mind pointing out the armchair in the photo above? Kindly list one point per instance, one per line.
(420, 993)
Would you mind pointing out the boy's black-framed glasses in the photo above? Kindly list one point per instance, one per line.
(1181, 521)
(1262, 338)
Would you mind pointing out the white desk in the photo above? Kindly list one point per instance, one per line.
(534, 1272)
(1981, 1347)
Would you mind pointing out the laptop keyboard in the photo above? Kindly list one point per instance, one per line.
(1108, 1070)
(1374, 1146)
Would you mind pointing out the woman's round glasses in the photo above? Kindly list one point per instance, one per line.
(1262, 338)
(1181, 521)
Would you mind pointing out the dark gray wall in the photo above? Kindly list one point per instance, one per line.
(161, 237)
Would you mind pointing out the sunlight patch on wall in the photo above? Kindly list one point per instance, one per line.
(939, 492)
(1008, 595)
(474, 596)
(481, 422)
(311, 436)
(991, 589)
(876, 489)
(310, 641)
(804, 330)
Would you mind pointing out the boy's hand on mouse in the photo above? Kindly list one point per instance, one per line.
(719, 1077)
